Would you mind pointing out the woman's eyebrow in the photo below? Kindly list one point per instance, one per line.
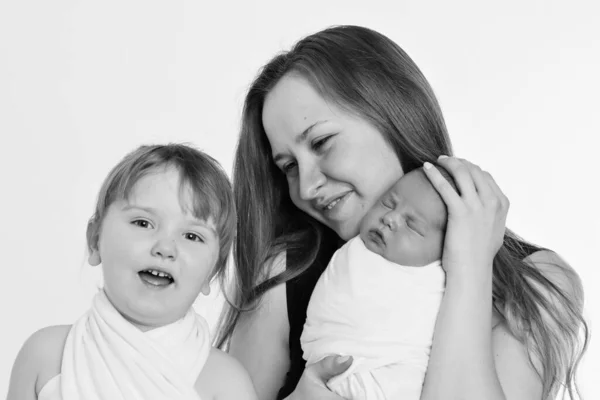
(300, 138)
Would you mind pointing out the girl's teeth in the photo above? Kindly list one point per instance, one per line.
(160, 274)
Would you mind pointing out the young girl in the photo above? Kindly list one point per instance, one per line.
(162, 230)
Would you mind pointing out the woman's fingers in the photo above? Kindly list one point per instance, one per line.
(461, 174)
(503, 201)
(313, 382)
(481, 181)
(331, 366)
(443, 187)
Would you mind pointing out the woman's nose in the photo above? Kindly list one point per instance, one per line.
(311, 179)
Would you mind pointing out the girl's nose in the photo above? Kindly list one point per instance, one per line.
(165, 248)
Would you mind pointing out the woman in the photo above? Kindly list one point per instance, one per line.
(327, 128)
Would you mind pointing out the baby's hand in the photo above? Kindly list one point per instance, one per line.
(476, 216)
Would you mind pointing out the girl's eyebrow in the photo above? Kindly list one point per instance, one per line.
(131, 206)
(203, 224)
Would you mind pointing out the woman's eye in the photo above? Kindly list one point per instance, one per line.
(319, 143)
(193, 237)
(142, 223)
(288, 168)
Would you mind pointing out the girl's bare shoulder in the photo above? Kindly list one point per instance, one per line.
(40, 358)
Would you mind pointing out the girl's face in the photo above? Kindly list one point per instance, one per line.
(337, 164)
(156, 256)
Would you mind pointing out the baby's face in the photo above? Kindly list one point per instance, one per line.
(406, 226)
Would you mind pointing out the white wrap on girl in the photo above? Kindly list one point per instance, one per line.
(382, 314)
(106, 357)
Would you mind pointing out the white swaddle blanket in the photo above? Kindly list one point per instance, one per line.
(382, 314)
(106, 357)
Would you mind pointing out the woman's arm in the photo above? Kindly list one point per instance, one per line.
(468, 359)
(260, 339)
(461, 364)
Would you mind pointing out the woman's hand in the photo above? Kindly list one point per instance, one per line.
(312, 384)
(476, 216)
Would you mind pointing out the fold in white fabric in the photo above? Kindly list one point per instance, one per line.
(106, 357)
(383, 314)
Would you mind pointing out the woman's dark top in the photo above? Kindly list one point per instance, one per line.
(298, 292)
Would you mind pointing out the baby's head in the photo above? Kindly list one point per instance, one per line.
(407, 225)
(162, 230)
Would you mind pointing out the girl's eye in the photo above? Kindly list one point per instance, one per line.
(318, 144)
(193, 237)
(142, 223)
(387, 204)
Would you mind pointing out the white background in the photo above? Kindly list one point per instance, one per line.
(82, 83)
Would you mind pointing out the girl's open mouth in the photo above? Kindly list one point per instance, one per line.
(155, 278)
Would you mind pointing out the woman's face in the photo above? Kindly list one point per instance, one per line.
(337, 164)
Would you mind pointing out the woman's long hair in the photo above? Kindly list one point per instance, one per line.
(369, 75)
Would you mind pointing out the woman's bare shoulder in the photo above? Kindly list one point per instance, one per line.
(517, 375)
(560, 273)
(223, 378)
(260, 339)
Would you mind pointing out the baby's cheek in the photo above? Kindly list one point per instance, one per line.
(436, 246)
(369, 220)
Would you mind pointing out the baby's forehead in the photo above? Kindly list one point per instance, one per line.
(414, 182)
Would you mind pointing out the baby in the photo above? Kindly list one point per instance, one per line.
(162, 230)
(379, 297)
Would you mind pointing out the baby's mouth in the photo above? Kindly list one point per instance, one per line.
(376, 237)
(156, 278)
